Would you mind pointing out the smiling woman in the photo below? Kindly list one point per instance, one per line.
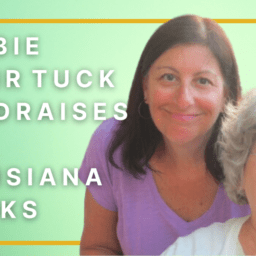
(184, 90)
(159, 170)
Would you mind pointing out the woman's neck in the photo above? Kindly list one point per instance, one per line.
(186, 155)
(182, 159)
(247, 236)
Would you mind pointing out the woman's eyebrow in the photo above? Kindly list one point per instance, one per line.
(168, 67)
(206, 71)
(176, 71)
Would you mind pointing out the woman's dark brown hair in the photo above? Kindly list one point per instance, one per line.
(138, 137)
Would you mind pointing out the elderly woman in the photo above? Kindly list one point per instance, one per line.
(238, 155)
(160, 175)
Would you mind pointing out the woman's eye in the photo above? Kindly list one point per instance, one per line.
(204, 81)
(169, 77)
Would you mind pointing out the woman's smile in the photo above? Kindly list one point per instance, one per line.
(182, 117)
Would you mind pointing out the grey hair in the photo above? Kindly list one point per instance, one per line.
(237, 136)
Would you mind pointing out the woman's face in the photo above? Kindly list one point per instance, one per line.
(249, 179)
(184, 89)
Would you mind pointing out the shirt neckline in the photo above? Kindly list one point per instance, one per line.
(168, 213)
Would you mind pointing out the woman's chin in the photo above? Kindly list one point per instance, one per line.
(184, 135)
(181, 138)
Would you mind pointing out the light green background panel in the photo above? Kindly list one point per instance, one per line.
(59, 143)
(243, 40)
(62, 143)
(133, 9)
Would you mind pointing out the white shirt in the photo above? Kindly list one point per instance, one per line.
(217, 239)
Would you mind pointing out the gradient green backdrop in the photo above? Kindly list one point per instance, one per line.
(57, 144)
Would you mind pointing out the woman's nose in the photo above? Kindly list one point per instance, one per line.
(184, 96)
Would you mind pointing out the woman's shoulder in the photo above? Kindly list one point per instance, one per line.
(206, 240)
(106, 129)
(220, 229)
(95, 156)
(202, 241)
(103, 135)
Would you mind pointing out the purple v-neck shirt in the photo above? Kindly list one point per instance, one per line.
(146, 225)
